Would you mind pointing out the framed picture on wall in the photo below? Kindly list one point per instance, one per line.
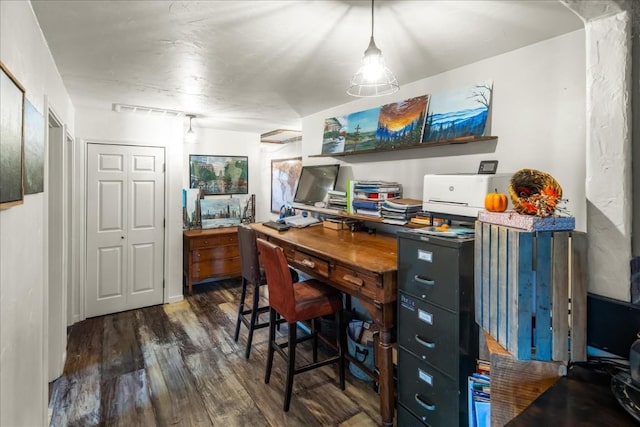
(284, 181)
(11, 139)
(217, 175)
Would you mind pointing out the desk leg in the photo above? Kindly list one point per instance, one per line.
(387, 398)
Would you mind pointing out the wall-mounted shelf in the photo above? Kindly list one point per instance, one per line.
(463, 140)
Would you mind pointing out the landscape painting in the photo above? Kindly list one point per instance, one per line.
(219, 174)
(361, 130)
(402, 122)
(216, 213)
(458, 113)
(11, 139)
(33, 150)
(335, 132)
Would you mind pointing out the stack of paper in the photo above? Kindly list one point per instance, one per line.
(337, 200)
(399, 211)
(367, 197)
(479, 396)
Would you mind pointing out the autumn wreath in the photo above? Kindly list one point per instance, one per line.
(534, 192)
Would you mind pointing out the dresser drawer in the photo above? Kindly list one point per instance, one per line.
(317, 265)
(209, 241)
(429, 272)
(427, 393)
(357, 282)
(429, 332)
(216, 268)
(208, 254)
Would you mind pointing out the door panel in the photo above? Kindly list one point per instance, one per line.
(125, 228)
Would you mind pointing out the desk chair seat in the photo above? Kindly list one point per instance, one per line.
(254, 275)
(296, 302)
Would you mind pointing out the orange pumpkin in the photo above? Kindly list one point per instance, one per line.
(496, 202)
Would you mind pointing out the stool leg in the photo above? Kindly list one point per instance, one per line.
(240, 308)
(254, 319)
(314, 331)
(270, 349)
(341, 346)
(291, 366)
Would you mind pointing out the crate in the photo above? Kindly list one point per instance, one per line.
(530, 291)
(528, 222)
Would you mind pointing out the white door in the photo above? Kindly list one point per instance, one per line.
(125, 228)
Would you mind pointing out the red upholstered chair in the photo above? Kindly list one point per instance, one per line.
(254, 275)
(306, 300)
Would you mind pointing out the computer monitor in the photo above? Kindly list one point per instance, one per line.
(314, 183)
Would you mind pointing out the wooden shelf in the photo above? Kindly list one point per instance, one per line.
(376, 219)
(463, 140)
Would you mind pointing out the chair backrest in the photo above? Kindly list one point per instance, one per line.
(249, 254)
(279, 282)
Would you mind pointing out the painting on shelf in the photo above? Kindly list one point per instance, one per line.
(215, 213)
(285, 174)
(459, 113)
(33, 150)
(333, 137)
(361, 130)
(11, 139)
(402, 123)
(217, 175)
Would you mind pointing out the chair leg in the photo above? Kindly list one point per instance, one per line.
(292, 365)
(341, 346)
(254, 319)
(270, 349)
(240, 309)
(314, 331)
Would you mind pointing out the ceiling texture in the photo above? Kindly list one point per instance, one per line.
(256, 66)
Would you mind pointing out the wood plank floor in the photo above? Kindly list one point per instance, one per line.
(177, 364)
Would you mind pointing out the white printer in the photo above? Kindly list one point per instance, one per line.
(461, 194)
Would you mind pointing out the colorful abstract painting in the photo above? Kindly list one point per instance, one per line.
(361, 130)
(402, 122)
(33, 150)
(333, 137)
(459, 113)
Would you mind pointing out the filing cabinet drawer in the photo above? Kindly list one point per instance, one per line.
(356, 281)
(310, 262)
(433, 335)
(429, 272)
(211, 241)
(426, 392)
(407, 419)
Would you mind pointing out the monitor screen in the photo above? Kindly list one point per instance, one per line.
(314, 183)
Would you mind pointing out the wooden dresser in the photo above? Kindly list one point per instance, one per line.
(209, 254)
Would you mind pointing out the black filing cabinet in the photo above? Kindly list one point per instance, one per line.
(437, 333)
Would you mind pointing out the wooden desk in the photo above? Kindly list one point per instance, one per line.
(361, 265)
(208, 254)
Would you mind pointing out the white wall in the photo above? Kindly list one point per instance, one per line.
(106, 126)
(538, 115)
(23, 293)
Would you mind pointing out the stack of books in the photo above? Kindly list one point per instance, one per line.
(421, 218)
(367, 197)
(337, 200)
(400, 211)
(479, 388)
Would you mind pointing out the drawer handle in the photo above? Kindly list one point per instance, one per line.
(424, 281)
(308, 263)
(352, 279)
(423, 403)
(424, 343)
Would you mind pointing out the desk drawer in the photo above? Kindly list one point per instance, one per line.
(429, 332)
(216, 268)
(317, 265)
(209, 241)
(426, 392)
(208, 254)
(358, 282)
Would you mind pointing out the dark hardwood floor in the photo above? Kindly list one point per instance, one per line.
(177, 364)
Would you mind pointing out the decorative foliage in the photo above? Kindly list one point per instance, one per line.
(534, 192)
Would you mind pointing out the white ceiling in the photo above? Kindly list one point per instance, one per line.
(261, 65)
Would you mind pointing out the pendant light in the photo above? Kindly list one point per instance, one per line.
(373, 78)
(190, 135)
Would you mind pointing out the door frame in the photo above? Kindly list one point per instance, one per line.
(81, 156)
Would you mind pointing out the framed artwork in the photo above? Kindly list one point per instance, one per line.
(458, 113)
(216, 175)
(11, 139)
(284, 181)
(215, 213)
(33, 150)
(334, 134)
(402, 122)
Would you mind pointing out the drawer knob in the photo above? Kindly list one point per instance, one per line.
(352, 279)
(424, 343)
(424, 404)
(424, 281)
(308, 263)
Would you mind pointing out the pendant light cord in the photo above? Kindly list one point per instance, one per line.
(372, 18)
